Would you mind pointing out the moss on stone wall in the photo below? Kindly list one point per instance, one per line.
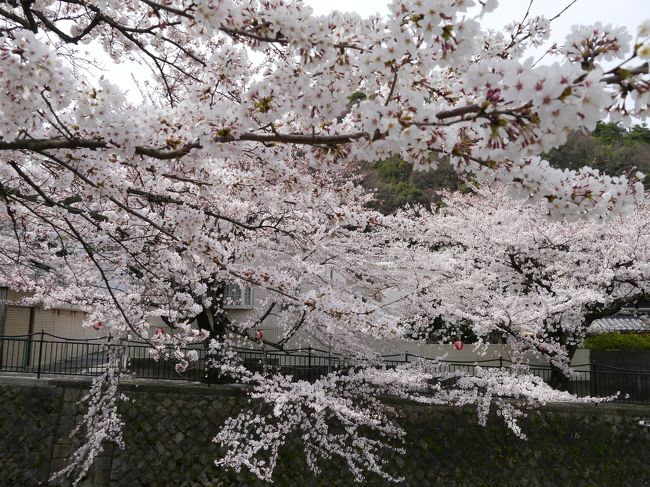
(169, 431)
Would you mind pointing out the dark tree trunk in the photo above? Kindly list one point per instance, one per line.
(216, 329)
(559, 380)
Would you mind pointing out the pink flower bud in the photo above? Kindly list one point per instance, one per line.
(494, 95)
(458, 345)
(159, 331)
(98, 325)
(259, 334)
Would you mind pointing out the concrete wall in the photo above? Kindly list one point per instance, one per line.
(64, 321)
(168, 431)
(21, 321)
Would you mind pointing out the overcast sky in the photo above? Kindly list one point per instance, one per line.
(620, 12)
(617, 12)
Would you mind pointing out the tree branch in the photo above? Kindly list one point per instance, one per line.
(57, 143)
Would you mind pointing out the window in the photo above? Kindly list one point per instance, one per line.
(237, 297)
(289, 304)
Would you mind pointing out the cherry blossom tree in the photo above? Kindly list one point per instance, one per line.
(234, 163)
(501, 265)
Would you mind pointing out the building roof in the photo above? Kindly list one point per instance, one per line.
(620, 323)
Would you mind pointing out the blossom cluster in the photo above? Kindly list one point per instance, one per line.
(236, 164)
(503, 266)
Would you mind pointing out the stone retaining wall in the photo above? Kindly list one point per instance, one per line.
(169, 428)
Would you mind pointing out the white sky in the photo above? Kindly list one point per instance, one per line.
(620, 12)
(629, 13)
(617, 12)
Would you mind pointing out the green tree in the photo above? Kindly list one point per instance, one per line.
(397, 183)
(611, 148)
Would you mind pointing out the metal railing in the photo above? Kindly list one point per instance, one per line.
(46, 354)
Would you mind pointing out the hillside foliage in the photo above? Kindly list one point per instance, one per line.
(610, 148)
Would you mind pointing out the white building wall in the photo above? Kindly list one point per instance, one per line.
(64, 322)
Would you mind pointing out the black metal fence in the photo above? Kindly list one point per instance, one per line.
(45, 354)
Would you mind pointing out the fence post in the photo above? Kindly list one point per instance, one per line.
(264, 361)
(310, 373)
(593, 383)
(500, 362)
(406, 356)
(40, 356)
(329, 360)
